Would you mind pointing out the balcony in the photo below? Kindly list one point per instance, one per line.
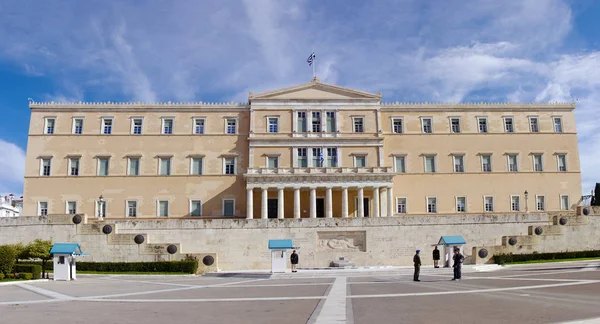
(330, 177)
(319, 171)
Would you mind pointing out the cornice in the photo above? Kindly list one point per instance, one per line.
(139, 106)
(475, 106)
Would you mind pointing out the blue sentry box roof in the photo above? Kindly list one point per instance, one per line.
(280, 244)
(66, 248)
(452, 239)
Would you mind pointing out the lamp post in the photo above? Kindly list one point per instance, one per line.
(526, 202)
(101, 207)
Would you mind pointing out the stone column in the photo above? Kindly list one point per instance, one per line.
(249, 203)
(280, 203)
(390, 201)
(361, 204)
(383, 201)
(376, 202)
(328, 203)
(263, 205)
(313, 203)
(345, 202)
(296, 202)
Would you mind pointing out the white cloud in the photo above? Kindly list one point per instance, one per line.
(12, 167)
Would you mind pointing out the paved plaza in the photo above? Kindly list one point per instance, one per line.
(546, 293)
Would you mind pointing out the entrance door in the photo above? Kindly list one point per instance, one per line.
(272, 208)
(321, 207)
(366, 208)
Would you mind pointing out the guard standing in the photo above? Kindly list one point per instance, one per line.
(417, 262)
(458, 261)
(436, 257)
(294, 260)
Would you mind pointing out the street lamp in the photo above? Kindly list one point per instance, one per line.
(101, 206)
(526, 202)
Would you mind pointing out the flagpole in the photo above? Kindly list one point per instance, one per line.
(313, 65)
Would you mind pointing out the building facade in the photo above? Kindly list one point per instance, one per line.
(10, 207)
(312, 150)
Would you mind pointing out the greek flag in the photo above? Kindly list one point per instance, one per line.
(311, 58)
(321, 158)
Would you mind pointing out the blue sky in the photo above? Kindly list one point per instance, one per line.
(410, 50)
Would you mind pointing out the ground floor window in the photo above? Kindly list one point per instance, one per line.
(228, 207)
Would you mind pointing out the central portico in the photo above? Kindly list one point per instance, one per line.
(329, 190)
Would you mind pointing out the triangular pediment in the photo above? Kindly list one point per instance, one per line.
(315, 90)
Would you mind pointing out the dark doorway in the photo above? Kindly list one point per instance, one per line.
(320, 207)
(366, 206)
(272, 208)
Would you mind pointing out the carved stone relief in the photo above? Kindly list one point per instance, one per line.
(334, 241)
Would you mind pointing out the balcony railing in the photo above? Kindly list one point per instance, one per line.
(325, 170)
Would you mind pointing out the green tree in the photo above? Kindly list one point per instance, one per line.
(21, 250)
(40, 249)
(8, 256)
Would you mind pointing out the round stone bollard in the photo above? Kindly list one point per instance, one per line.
(172, 249)
(563, 221)
(586, 211)
(208, 260)
(512, 241)
(139, 239)
(539, 230)
(77, 219)
(483, 253)
(107, 229)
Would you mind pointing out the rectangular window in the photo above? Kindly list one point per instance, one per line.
(197, 168)
(399, 164)
(455, 125)
(101, 208)
(273, 124)
(272, 162)
(73, 166)
(483, 126)
(132, 208)
(360, 161)
(330, 121)
(316, 122)
(77, 125)
(534, 125)
(486, 163)
(427, 125)
(42, 208)
(459, 163)
(564, 202)
(302, 158)
(509, 126)
(228, 207)
(71, 207)
(461, 204)
(199, 125)
(537, 163)
(358, 125)
(430, 163)
(165, 166)
(488, 203)
(137, 126)
(103, 166)
(513, 165)
(229, 165)
(45, 169)
(557, 124)
(397, 126)
(133, 166)
(167, 126)
(163, 208)
(317, 157)
(432, 204)
(540, 203)
(562, 162)
(301, 122)
(49, 126)
(195, 208)
(332, 157)
(515, 203)
(231, 126)
(107, 124)
(401, 205)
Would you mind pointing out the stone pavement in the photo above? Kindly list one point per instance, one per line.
(542, 293)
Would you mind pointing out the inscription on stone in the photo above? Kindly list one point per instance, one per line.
(121, 239)
(334, 241)
(153, 248)
(402, 252)
(88, 229)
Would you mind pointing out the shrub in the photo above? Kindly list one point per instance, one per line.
(26, 276)
(508, 258)
(34, 269)
(1, 275)
(165, 266)
(10, 275)
(8, 255)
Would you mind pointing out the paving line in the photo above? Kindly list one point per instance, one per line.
(585, 321)
(334, 309)
(46, 292)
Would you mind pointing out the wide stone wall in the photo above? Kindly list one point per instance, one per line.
(236, 244)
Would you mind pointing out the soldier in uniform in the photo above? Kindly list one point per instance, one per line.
(417, 262)
(436, 257)
(294, 261)
(458, 261)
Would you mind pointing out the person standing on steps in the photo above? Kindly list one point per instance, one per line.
(458, 261)
(294, 260)
(417, 262)
(436, 257)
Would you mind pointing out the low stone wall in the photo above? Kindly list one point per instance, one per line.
(238, 244)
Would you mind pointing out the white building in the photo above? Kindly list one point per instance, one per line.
(10, 207)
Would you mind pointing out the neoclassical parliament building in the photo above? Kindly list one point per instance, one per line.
(307, 151)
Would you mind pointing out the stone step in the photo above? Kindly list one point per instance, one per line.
(520, 240)
(545, 230)
(159, 248)
(96, 228)
(570, 220)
